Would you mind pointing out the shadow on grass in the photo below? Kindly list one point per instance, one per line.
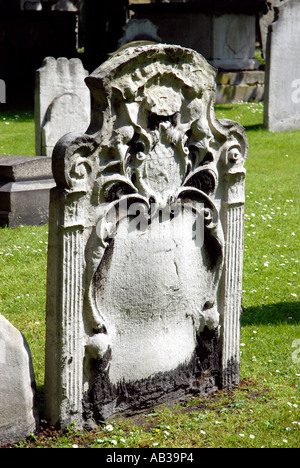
(20, 114)
(283, 312)
(254, 127)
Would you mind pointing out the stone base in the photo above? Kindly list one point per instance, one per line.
(25, 184)
(200, 376)
(240, 86)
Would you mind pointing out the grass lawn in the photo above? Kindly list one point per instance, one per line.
(264, 411)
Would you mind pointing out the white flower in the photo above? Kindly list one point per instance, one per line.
(109, 428)
(74, 446)
(114, 442)
(252, 436)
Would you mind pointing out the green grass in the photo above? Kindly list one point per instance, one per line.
(17, 135)
(264, 411)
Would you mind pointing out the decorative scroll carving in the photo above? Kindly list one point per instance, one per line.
(147, 222)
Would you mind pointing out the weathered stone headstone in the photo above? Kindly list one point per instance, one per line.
(25, 183)
(265, 19)
(31, 5)
(18, 411)
(145, 242)
(62, 102)
(282, 82)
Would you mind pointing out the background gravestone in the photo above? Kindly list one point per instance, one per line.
(31, 5)
(223, 31)
(143, 305)
(62, 102)
(282, 83)
(18, 412)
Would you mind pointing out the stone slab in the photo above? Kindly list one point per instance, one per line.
(240, 86)
(25, 184)
(15, 168)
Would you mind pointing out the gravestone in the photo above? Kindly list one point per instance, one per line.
(2, 92)
(145, 241)
(31, 5)
(62, 102)
(25, 183)
(265, 20)
(282, 83)
(18, 411)
(137, 30)
(64, 5)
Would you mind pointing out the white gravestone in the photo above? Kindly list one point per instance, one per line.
(62, 102)
(282, 83)
(18, 412)
(146, 241)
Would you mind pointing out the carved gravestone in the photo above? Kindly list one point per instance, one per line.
(62, 102)
(146, 241)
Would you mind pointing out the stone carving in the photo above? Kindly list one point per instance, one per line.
(146, 241)
(62, 102)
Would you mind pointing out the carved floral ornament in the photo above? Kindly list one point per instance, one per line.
(153, 131)
(153, 143)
